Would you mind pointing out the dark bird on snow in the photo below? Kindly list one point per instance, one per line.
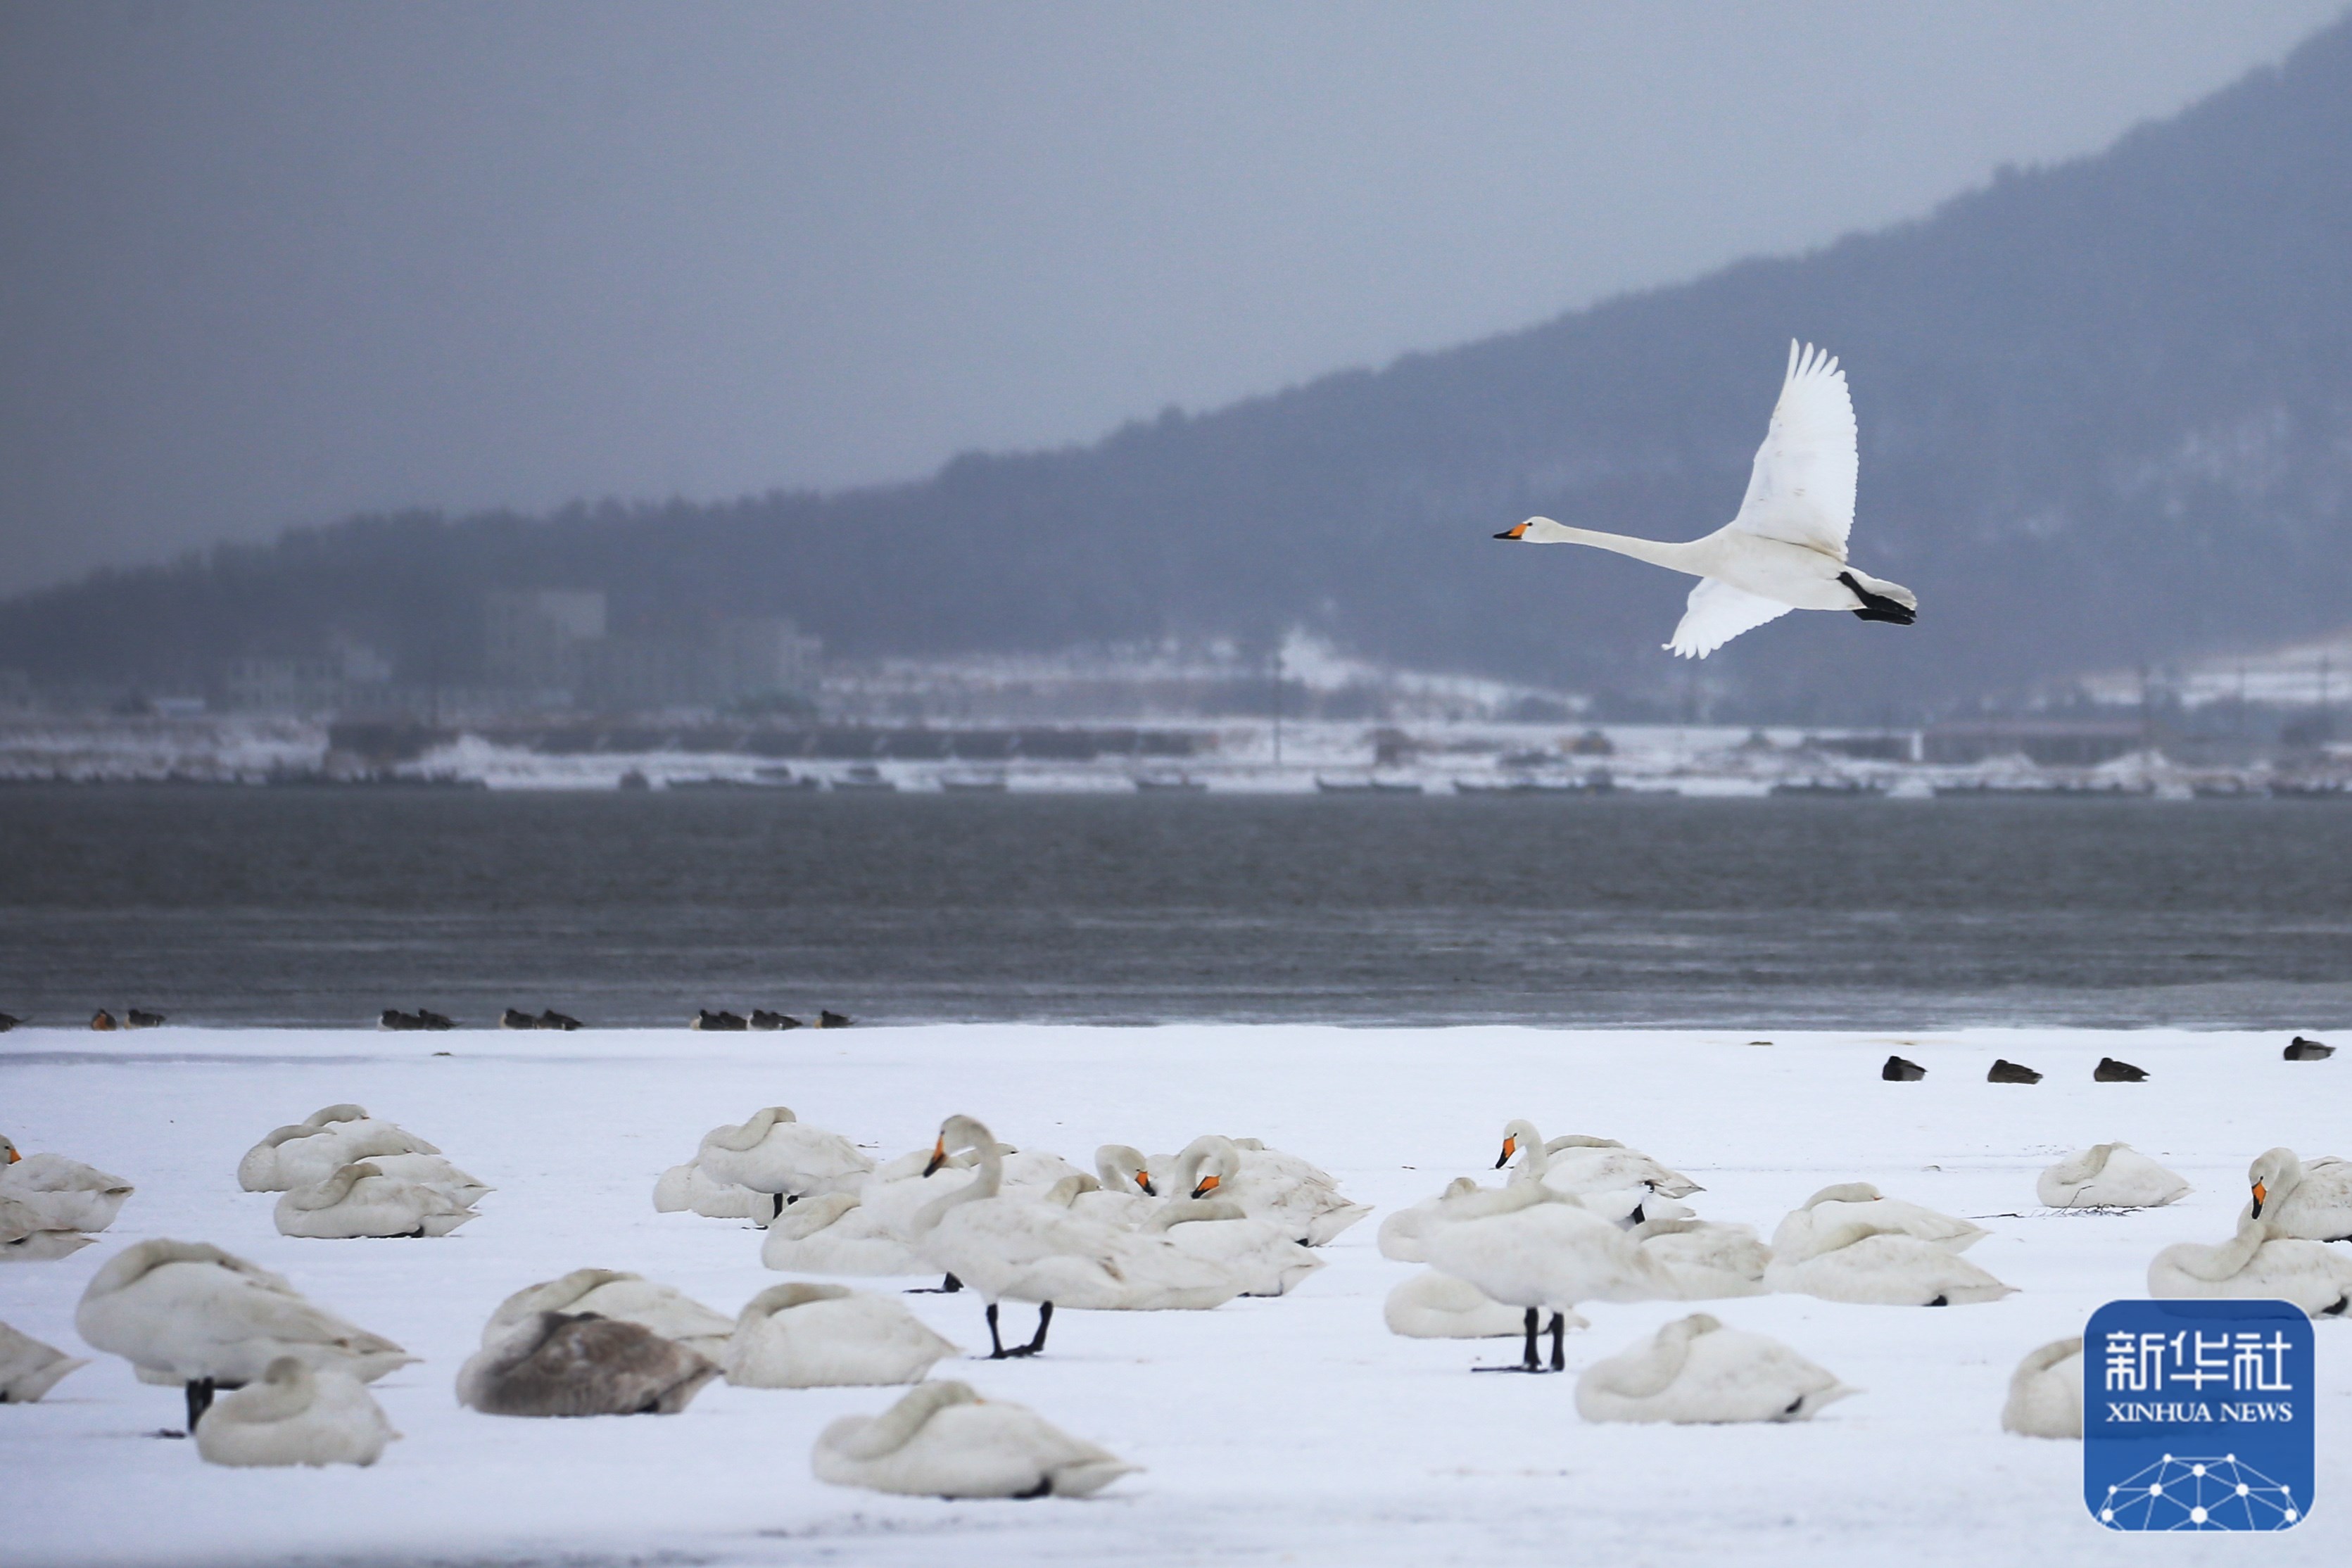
(764, 1019)
(2301, 1050)
(393, 1018)
(2007, 1071)
(560, 1363)
(704, 1018)
(141, 1019)
(429, 1019)
(2110, 1070)
(551, 1019)
(102, 1020)
(1898, 1070)
(516, 1018)
(827, 1018)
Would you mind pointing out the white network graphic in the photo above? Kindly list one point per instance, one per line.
(2191, 1493)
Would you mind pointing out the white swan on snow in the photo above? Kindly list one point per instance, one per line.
(188, 1313)
(28, 1369)
(2108, 1176)
(1548, 1254)
(295, 1415)
(806, 1335)
(2045, 1392)
(1258, 1252)
(27, 1237)
(773, 1152)
(689, 1186)
(1578, 1164)
(1786, 550)
(944, 1440)
(1268, 1184)
(1009, 1246)
(612, 1293)
(2258, 1262)
(1706, 1261)
(2310, 1202)
(837, 1234)
(360, 1200)
(66, 1195)
(1836, 1214)
(1697, 1370)
(321, 1144)
(1883, 1268)
(1434, 1305)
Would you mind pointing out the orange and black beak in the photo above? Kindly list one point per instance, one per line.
(1143, 1180)
(938, 1156)
(14, 1156)
(1517, 531)
(1510, 1147)
(2260, 1194)
(1208, 1184)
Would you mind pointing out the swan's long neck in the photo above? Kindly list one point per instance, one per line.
(895, 1428)
(1658, 552)
(2229, 1259)
(985, 1185)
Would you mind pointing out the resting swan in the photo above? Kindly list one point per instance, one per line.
(26, 1236)
(28, 1369)
(774, 1152)
(323, 1142)
(1267, 1184)
(628, 1298)
(553, 1363)
(2045, 1392)
(1884, 1269)
(66, 1195)
(837, 1234)
(944, 1440)
(1003, 1246)
(362, 1201)
(1580, 1164)
(2108, 1176)
(825, 1336)
(2257, 1262)
(2312, 1202)
(689, 1186)
(1434, 1305)
(1786, 549)
(294, 1415)
(1695, 1369)
(1257, 1252)
(1836, 1214)
(189, 1313)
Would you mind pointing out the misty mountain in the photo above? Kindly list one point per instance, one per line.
(2106, 418)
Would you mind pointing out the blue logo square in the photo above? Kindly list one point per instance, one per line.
(2197, 1414)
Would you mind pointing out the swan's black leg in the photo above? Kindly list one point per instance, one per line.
(1529, 1364)
(996, 1351)
(1045, 1488)
(1559, 1333)
(200, 1399)
(1037, 1341)
(946, 1287)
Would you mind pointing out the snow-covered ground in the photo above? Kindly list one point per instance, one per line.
(1289, 1430)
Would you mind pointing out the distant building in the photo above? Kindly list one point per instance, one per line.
(2054, 743)
(733, 660)
(531, 638)
(256, 685)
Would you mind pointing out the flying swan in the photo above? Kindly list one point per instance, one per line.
(1786, 550)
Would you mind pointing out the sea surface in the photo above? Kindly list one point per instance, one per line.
(282, 907)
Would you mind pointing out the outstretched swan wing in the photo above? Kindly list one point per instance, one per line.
(1717, 613)
(1802, 488)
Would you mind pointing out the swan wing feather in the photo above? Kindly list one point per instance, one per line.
(1801, 490)
(1717, 613)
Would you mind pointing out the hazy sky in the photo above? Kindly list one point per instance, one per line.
(266, 264)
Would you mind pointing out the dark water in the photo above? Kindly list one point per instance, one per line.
(270, 907)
